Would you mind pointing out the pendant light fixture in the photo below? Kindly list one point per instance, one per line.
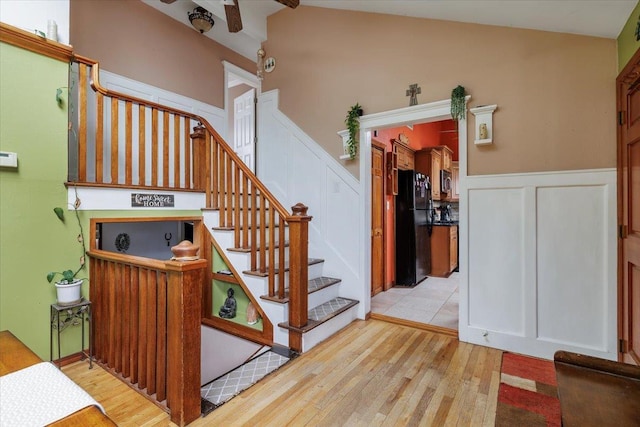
(201, 19)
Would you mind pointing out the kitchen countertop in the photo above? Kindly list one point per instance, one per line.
(446, 223)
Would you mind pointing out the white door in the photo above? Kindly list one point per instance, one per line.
(244, 108)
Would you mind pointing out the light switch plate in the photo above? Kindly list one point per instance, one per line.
(8, 160)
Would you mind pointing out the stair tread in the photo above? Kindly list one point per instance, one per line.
(313, 286)
(322, 313)
(231, 227)
(310, 261)
(277, 246)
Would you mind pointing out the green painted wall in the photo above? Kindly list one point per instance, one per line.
(627, 43)
(32, 240)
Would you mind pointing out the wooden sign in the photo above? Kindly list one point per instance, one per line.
(139, 200)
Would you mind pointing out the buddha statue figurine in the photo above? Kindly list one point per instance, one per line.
(228, 309)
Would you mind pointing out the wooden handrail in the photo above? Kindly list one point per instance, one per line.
(95, 84)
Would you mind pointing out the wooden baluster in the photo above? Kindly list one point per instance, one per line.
(245, 212)
(99, 167)
(134, 323)
(128, 148)
(154, 147)
(82, 123)
(229, 192)
(176, 152)
(207, 169)
(142, 328)
(152, 310)
(263, 235)
(272, 251)
(254, 228)
(111, 314)
(184, 301)
(222, 200)
(281, 250)
(165, 149)
(118, 286)
(214, 173)
(188, 183)
(114, 141)
(126, 321)
(161, 339)
(298, 273)
(142, 145)
(94, 296)
(236, 205)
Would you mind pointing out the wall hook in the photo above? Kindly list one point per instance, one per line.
(167, 237)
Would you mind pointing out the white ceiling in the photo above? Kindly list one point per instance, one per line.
(600, 18)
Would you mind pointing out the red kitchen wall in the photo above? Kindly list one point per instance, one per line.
(421, 136)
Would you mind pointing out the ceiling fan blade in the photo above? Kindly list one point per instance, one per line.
(167, 1)
(289, 3)
(234, 21)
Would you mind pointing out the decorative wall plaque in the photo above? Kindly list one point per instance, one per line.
(139, 200)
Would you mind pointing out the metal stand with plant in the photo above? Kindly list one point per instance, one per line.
(353, 126)
(68, 288)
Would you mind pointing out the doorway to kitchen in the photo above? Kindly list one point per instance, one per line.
(426, 152)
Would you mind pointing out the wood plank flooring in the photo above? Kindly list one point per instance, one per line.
(371, 373)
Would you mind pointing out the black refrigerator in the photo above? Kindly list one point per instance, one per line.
(414, 221)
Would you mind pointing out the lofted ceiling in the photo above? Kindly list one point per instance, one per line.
(600, 18)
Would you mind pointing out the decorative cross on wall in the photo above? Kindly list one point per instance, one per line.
(413, 92)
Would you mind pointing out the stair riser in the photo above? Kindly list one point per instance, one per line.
(323, 295)
(329, 328)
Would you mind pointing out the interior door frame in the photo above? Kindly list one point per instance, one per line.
(422, 113)
(625, 80)
(234, 75)
(382, 147)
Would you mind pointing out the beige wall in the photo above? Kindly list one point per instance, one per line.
(555, 92)
(132, 39)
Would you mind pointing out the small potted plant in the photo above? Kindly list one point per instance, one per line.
(352, 121)
(69, 286)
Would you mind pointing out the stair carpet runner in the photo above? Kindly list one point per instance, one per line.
(229, 385)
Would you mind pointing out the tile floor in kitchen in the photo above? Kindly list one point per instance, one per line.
(433, 301)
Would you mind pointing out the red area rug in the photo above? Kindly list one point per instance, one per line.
(528, 392)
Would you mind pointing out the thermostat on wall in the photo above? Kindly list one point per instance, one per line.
(8, 160)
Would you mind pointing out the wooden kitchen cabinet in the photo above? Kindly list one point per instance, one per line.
(455, 181)
(428, 161)
(447, 156)
(405, 157)
(444, 250)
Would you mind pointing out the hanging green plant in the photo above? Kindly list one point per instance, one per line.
(458, 107)
(353, 126)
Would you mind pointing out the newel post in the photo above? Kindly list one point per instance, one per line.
(198, 137)
(298, 273)
(184, 310)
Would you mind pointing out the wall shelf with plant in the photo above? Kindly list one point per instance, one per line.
(351, 137)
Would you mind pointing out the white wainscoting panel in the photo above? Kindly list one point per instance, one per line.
(496, 242)
(572, 243)
(542, 272)
(296, 169)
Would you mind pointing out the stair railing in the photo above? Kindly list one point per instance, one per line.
(129, 142)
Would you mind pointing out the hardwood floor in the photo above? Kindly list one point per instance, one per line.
(371, 373)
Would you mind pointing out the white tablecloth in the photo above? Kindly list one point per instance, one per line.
(39, 395)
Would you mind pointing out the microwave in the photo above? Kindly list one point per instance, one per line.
(445, 181)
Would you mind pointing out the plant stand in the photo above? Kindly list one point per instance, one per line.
(71, 315)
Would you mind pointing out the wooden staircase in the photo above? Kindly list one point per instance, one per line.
(328, 312)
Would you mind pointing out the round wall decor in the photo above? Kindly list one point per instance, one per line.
(122, 242)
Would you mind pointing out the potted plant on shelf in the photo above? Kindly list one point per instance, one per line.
(353, 126)
(69, 286)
